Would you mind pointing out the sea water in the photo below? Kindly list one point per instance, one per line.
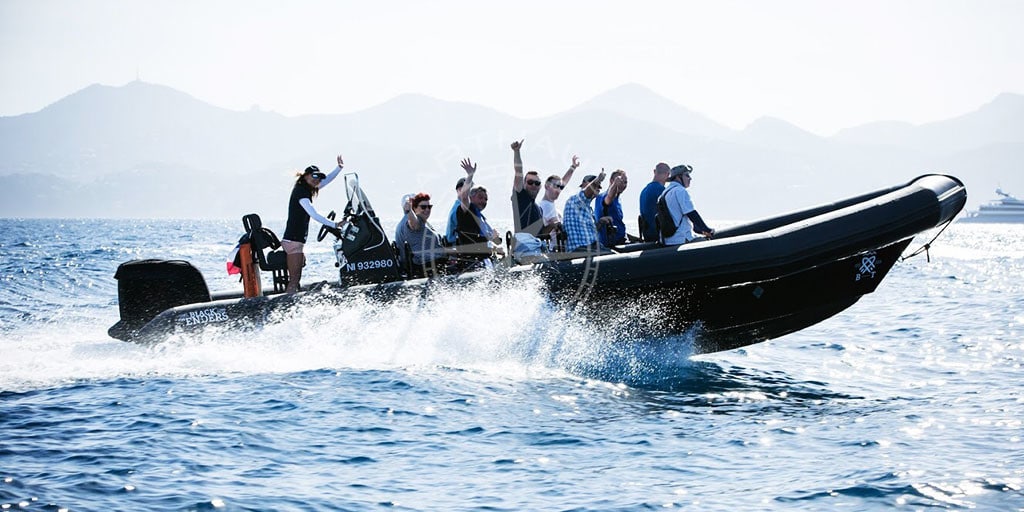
(492, 399)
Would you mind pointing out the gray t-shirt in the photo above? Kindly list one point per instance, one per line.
(423, 242)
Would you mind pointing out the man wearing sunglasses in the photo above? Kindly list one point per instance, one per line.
(529, 217)
(553, 188)
(525, 211)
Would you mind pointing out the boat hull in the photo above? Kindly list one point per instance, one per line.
(752, 283)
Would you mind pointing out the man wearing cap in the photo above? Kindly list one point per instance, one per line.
(450, 234)
(649, 202)
(578, 216)
(609, 208)
(680, 208)
(300, 210)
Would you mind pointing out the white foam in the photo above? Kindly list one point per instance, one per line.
(497, 329)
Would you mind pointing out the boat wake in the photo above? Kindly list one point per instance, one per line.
(515, 334)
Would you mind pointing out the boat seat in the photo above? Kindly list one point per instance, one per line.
(411, 270)
(561, 241)
(266, 251)
(405, 258)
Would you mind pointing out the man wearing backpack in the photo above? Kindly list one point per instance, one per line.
(677, 217)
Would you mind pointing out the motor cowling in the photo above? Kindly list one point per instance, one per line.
(145, 288)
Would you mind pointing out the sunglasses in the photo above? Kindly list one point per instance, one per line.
(425, 206)
(535, 183)
(559, 186)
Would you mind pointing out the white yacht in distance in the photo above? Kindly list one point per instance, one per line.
(1005, 209)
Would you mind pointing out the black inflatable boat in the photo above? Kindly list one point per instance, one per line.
(751, 283)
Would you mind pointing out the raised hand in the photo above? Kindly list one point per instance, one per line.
(575, 162)
(468, 166)
(341, 163)
(619, 182)
(517, 144)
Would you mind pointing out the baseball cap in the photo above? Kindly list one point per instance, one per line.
(315, 172)
(679, 170)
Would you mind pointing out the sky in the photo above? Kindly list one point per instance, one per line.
(822, 65)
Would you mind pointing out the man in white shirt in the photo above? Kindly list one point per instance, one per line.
(680, 209)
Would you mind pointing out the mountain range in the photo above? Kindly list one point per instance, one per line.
(147, 150)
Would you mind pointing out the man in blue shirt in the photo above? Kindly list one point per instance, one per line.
(450, 234)
(649, 202)
(578, 216)
(608, 209)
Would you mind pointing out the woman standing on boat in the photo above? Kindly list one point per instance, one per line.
(300, 209)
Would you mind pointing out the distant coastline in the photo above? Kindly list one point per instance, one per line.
(161, 153)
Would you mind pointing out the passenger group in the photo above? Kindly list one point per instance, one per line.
(591, 222)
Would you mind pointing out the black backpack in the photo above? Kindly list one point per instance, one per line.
(666, 225)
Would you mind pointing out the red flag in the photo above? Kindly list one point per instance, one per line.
(232, 267)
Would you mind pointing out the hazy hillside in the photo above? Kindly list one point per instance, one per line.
(101, 130)
(999, 121)
(145, 150)
(638, 102)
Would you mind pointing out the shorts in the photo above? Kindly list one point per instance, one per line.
(291, 247)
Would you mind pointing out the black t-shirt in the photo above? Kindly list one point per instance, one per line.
(467, 227)
(297, 227)
(527, 214)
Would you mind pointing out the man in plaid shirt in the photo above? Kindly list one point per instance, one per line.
(578, 217)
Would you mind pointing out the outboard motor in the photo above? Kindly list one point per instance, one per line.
(145, 288)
